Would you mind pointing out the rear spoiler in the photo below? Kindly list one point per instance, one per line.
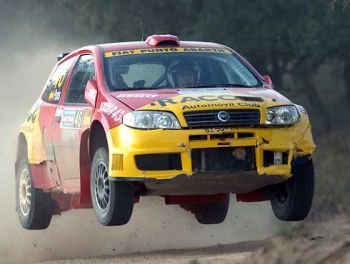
(62, 55)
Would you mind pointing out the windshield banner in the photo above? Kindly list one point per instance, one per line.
(116, 53)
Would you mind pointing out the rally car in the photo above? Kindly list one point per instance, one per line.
(188, 121)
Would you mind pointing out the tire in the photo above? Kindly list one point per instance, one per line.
(292, 200)
(212, 212)
(113, 201)
(34, 207)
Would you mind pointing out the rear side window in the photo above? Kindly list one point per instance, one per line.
(55, 84)
(83, 72)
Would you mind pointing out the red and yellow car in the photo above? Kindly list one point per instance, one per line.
(189, 121)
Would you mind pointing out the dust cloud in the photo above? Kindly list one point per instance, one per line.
(77, 234)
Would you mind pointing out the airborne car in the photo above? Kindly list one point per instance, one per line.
(191, 122)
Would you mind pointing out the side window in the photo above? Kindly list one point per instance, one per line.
(55, 84)
(82, 73)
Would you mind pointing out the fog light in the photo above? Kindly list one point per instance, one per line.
(277, 158)
(239, 153)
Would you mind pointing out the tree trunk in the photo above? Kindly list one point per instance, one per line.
(346, 76)
(276, 71)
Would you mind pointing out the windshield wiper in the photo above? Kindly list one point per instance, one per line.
(221, 85)
(234, 85)
(134, 89)
(188, 87)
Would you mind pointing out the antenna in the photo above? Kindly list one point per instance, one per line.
(142, 31)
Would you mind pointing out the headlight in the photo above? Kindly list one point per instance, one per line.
(151, 120)
(282, 115)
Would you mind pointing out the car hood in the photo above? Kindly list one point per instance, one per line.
(197, 98)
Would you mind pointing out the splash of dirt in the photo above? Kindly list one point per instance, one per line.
(302, 251)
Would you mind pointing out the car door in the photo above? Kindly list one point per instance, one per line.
(72, 123)
(49, 103)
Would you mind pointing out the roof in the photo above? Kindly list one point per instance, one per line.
(144, 45)
(154, 41)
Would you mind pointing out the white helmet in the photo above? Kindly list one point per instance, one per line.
(183, 66)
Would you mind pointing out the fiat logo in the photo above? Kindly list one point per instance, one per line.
(223, 116)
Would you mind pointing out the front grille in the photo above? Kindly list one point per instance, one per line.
(221, 159)
(237, 118)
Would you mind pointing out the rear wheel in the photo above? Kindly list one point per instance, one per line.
(34, 207)
(212, 212)
(113, 201)
(292, 199)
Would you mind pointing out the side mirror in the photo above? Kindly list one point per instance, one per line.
(90, 94)
(267, 81)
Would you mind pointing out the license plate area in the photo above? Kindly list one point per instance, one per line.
(223, 159)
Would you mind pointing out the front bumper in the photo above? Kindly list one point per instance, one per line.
(126, 143)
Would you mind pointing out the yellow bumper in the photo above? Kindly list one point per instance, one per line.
(125, 143)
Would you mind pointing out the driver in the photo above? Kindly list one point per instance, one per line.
(185, 74)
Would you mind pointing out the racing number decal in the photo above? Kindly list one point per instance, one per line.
(72, 118)
(78, 119)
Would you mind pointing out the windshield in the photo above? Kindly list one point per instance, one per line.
(171, 68)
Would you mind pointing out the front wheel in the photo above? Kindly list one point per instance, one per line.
(292, 199)
(34, 207)
(113, 201)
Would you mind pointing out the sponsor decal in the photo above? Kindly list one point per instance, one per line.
(32, 118)
(189, 107)
(54, 95)
(207, 98)
(112, 110)
(186, 99)
(250, 98)
(32, 115)
(56, 88)
(116, 53)
(137, 95)
(215, 130)
(72, 118)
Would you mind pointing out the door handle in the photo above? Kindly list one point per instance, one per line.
(58, 118)
(58, 115)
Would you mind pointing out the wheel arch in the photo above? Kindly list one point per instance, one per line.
(91, 140)
(98, 137)
(22, 149)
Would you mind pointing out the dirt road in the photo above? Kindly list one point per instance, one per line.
(275, 251)
(325, 242)
(233, 253)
